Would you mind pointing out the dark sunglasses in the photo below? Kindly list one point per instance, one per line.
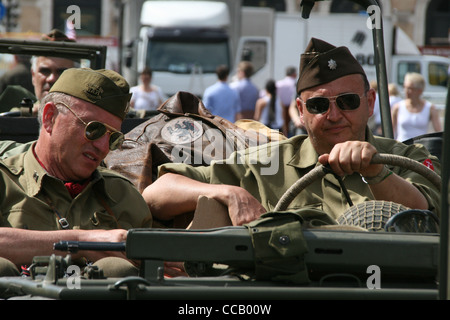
(95, 130)
(345, 101)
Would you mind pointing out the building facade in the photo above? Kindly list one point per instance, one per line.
(426, 22)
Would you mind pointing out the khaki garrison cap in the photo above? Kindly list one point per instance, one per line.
(104, 88)
(322, 63)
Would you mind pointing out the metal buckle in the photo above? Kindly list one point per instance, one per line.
(63, 223)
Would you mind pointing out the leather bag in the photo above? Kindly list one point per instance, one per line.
(184, 131)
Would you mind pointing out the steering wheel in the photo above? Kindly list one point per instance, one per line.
(394, 160)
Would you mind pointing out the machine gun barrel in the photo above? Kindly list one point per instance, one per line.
(75, 246)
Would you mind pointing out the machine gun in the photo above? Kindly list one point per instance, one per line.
(339, 265)
(343, 255)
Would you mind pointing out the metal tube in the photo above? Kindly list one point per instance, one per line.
(75, 246)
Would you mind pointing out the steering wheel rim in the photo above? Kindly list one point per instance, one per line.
(380, 158)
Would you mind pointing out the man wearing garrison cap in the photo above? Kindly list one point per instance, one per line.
(57, 191)
(334, 102)
(41, 73)
(44, 73)
(46, 70)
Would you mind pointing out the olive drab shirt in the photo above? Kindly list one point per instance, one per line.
(32, 199)
(10, 148)
(268, 171)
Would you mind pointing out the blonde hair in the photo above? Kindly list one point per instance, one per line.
(416, 79)
(393, 90)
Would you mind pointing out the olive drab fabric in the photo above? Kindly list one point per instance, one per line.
(279, 244)
(32, 199)
(184, 131)
(10, 148)
(322, 63)
(268, 171)
(12, 97)
(105, 88)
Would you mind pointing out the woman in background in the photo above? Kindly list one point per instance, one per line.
(269, 110)
(146, 96)
(412, 116)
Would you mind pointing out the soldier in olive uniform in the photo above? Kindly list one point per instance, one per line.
(57, 191)
(335, 103)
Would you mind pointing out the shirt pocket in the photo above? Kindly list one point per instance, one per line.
(102, 220)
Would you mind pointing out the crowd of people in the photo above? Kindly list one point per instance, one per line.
(54, 188)
(269, 106)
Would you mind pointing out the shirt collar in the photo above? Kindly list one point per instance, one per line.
(304, 153)
(35, 173)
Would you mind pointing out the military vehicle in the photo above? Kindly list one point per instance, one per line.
(13, 124)
(273, 258)
(17, 125)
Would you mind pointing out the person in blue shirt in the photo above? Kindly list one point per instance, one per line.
(220, 99)
(248, 92)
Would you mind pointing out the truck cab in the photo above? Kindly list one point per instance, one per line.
(183, 42)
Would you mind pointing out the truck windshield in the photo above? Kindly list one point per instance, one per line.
(187, 57)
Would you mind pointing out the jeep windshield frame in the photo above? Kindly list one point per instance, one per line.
(70, 50)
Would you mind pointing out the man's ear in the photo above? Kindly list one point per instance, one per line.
(371, 98)
(49, 113)
(300, 109)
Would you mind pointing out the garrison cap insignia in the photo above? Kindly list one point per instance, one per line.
(182, 130)
(93, 91)
(332, 64)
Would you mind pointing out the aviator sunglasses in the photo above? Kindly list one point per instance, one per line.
(345, 101)
(94, 130)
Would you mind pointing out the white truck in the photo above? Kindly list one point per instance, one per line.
(283, 43)
(184, 41)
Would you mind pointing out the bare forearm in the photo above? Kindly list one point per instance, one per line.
(20, 246)
(174, 194)
(398, 190)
